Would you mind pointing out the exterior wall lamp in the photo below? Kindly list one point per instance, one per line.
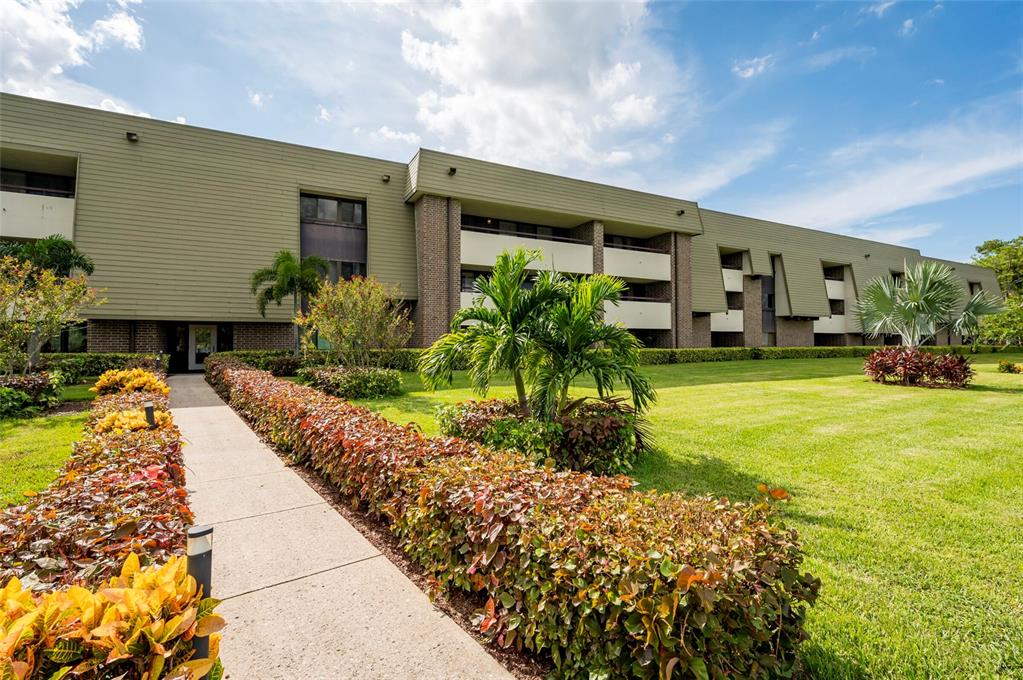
(452, 171)
(681, 212)
(132, 137)
(385, 178)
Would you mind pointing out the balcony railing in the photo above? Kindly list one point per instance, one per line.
(521, 234)
(642, 249)
(36, 191)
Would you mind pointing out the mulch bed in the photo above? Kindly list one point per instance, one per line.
(67, 407)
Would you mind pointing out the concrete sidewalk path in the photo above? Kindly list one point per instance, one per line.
(305, 594)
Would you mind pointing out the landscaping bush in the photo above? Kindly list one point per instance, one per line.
(12, 402)
(1005, 366)
(284, 366)
(121, 491)
(352, 382)
(604, 581)
(33, 391)
(602, 437)
(139, 624)
(76, 366)
(129, 380)
(910, 366)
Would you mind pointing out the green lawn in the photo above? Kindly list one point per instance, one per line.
(909, 501)
(32, 451)
(80, 391)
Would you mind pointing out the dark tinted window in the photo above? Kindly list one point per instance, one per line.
(734, 300)
(326, 209)
(837, 306)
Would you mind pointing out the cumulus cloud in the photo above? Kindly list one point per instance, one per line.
(259, 99)
(385, 133)
(323, 115)
(749, 68)
(879, 9)
(907, 28)
(40, 43)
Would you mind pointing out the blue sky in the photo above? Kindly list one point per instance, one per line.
(900, 121)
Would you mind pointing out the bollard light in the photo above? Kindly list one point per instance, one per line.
(199, 549)
(150, 415)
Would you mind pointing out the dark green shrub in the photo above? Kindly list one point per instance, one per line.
(353, 382)
(602, 437)
(687, 355)
(41, 389)
(13, 402)
(76, 366)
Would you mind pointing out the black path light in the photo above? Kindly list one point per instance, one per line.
(150, 415)
(200, 567)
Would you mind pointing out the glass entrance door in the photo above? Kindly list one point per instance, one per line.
(202, 342)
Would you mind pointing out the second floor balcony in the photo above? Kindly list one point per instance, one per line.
(480, 248)
(36, 215)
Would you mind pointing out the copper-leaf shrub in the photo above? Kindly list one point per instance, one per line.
(602, 437)
(910, 366)
(118, 493)
(604, 581)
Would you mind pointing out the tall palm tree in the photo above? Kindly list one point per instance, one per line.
(288, 275)
(925, 301)
(572, 340)
(500, 325)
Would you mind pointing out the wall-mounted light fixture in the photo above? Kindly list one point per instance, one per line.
(132, 137)
(385, 178)
(681, 212)
(452, 171)
(867, 256)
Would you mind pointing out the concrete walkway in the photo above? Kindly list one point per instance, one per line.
(305, 594)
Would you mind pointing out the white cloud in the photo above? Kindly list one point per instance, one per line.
(879, 175)
(385, 133)
(896, 232)
(40, 43)
(907, 28)
(180, 119)
(322, 114)
(823, 60)
(879, 9)
(668, 138)
(259, 99)
(724, 167)
(936, 81)
(748, 68)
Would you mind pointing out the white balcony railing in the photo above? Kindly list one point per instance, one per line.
(34, 216)
(726, 322)
(733, 280)
(640, 314)
(481, 249)
(836, 289)
(835, 323)
(637, 264)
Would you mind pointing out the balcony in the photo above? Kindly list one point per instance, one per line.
(481, 248)
(635, 263)
(640, 314)
(24, 215)
(733, 280)
(830, 324)
(836, 289)
(726, 322)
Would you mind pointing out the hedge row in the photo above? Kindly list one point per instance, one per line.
(122, 491)
(353, 382)
(75, 366)
(603, 580)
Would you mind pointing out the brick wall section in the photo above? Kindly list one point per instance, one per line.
(592, 233)
(752, 312)
(854, 339)
(701, 330)
(150, 336)
(438, 237)
(108, 335)
(263, 335)
(794, 333)
(682, 273)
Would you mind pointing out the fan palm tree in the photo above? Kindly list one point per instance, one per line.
(56, 253)
(288, 275)
(500, 325)
(572, 340)
(925, 301)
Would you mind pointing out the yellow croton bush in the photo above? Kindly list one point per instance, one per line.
(138, 625)
(129, 380)
(119, 422)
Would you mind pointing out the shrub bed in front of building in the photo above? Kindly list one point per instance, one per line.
(910, 366)
(78, 365)
(121, 491)
(602, 580)
(602, 437)
(30, 393)
(353, 382)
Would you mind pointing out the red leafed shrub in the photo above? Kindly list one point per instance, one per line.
(604, 581)
(116, 494)
(910, 366)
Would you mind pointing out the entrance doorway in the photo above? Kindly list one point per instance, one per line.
(202, 342)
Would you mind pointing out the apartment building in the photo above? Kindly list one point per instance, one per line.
(177, 217)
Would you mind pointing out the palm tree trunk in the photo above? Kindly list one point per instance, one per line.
(520, 390)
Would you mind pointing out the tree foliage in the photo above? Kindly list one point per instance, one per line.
(1006, 259)
(56, 253)
(36, 304)
(355, 318)
(928, 299)
(288, 275)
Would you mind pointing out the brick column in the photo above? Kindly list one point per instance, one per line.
(592, 233)
(682, 274)
(701, 330)
(794, 332)
(438, 243)
(108, 335)
(752, 312)
(263, 335)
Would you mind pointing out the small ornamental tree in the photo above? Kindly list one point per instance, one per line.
(35, 304)
(355, 318)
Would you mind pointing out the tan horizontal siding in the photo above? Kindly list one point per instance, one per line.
(177, 222)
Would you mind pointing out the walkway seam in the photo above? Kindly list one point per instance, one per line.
(272, 512)
(299, 578)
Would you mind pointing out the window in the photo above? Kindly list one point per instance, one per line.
(837, 306)
(469, 280)
(731, 260)
(769, 301)
(734, 300)
(975, 287)
(836, 273)
(71, 339)
(334, 229)
(332, 210)
(897, 277)
(338, 270)
(39, 183)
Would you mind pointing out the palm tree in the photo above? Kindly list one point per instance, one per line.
(572, 340)
(56, 253)
(500, 325)
(288, 275)
(924, 302)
